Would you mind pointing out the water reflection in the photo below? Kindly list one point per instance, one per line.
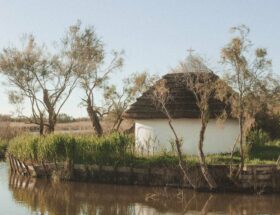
(45, 197)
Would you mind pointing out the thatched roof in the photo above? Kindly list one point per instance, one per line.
(181, 105)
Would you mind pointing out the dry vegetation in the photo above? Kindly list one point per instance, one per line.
(84, 126)
(9, 131)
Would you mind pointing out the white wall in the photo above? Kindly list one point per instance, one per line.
(155, 135)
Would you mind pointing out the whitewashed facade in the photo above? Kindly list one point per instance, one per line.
(155, 135)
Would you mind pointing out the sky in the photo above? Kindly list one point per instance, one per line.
(155, 34)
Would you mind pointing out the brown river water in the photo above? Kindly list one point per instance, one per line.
(22, 195)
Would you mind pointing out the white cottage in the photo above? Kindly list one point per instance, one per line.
(152, 132)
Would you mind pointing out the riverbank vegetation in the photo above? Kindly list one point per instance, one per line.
(113, 149)
(119, 150)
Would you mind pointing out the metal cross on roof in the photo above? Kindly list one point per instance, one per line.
(190, 50)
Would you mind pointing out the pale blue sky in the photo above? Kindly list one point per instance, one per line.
(155, 34)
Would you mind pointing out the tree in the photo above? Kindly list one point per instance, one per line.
(202, 83)
(45, 79)
(88, 51)
(249, 77)
(117, 101)
(18, 66)
(18, 97)
(161, 97)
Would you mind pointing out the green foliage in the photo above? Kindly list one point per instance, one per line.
(222, 159)
(118, 150)
(257, 161)
(163, 160)
(56, 147)
(255, 138)
(268, 152)
(105, 150)
(258, 137)
(79, 149)
(260, 148)
(24, 147)
(269, 123)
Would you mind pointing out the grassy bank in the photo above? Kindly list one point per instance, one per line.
(265, 153)
(115, 149)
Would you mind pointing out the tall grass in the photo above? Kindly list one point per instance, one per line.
(24, 147)
(79, 149)
(113, 149)
(116, 149)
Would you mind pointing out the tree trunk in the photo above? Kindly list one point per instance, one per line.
(119, 124)
(51, 127)
(51, 112)
(94, 120)
(204, 168)
(52, 121)
(241, 122)
(182, 163)
(231, 156)
(41, 126)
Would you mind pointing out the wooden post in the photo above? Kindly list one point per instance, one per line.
(21, 170)
(13, 163)
(9, 157)
(13, 176)
(16, 181)
(26, 168)
(273, 178)
(16, 164)
(22, 167)
(255, 177)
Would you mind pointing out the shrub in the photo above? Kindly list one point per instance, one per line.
(269, 123)
(258, 137)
